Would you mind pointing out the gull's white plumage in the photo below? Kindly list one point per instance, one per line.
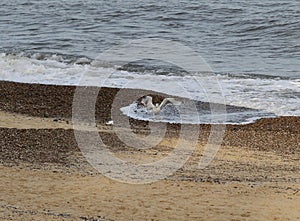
(157, 107)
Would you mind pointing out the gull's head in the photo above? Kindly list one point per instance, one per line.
(156, 105)
(145, 100)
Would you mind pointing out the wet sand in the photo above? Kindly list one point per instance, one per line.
(44, 176)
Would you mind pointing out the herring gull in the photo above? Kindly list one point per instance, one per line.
(157, 107)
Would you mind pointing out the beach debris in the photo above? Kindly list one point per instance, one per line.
(110, 122)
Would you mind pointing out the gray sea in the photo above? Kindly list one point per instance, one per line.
(253, 47)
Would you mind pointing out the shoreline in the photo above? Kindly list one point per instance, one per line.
(56, 101)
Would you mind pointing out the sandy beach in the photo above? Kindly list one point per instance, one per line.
(44, 176)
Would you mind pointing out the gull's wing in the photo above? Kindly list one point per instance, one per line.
(169, 100)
